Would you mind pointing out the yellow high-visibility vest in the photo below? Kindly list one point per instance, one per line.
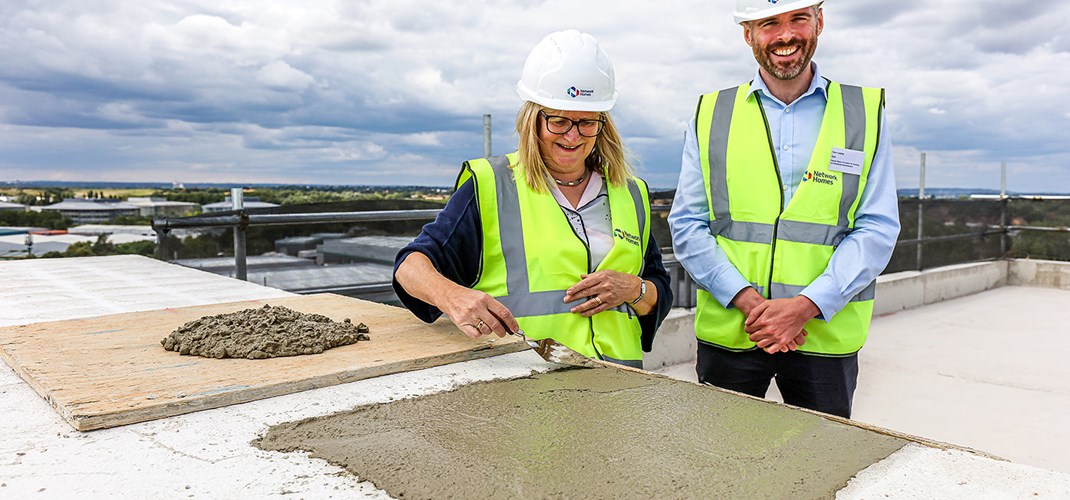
(531, 256)
(781, 250)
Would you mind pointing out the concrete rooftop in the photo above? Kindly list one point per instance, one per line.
(979, 371)
(961, 371)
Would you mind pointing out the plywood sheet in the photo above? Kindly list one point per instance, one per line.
(111, 370)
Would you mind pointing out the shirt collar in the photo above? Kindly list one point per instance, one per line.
(595, 187)
(818, 84)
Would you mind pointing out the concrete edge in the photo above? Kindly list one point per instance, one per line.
(910, 289)
(915, 471)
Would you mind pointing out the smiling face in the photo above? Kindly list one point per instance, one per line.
(784, 44)
(566, 153)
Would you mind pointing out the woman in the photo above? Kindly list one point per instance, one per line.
(555, 237)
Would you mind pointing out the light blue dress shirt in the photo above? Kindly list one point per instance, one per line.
(793, 127)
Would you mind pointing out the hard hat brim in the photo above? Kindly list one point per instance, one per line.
(773, 11)
(600, 105)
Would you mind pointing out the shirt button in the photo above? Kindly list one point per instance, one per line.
(787, 110)
(786, 147)
(784, 187)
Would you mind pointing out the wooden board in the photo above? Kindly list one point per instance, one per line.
(111, 370)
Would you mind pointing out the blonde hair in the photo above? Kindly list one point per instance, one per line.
(608, 158)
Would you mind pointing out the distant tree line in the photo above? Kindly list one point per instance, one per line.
(973, 218)
(103, 247)
(48, 220)
(200, 196)
(293, 195)
(99, 195)
(303, 196)
(47, 196)
(1040, 244)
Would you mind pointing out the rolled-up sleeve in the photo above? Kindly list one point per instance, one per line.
(453, 243)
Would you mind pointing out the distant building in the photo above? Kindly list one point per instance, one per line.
(6, 230)
(161, 207)
(297, 244)
(12, 206)
(365, 280)
(143, 232)
(228, 205)
(225, 265)
(371, 249)
(99, 229)
(82, 211)
(15, 246)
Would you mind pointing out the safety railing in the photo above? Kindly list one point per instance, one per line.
(683, 287)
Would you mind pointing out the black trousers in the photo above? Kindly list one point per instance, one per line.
(821, 383)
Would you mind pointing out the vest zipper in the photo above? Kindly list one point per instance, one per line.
(587, 247)
(780, 189)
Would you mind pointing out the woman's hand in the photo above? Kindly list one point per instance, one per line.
(477, 313)
(603, 290)
(473, 311)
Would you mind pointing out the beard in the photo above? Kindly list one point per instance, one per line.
(782, 72)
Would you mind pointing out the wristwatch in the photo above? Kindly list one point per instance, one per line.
(642, 292)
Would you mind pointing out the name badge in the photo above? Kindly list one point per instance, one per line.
(847, 161)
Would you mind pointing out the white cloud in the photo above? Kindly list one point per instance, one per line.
(280, 75)
(343, 92)
(422, 139)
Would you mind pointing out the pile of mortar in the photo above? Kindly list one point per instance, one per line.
(267, 332)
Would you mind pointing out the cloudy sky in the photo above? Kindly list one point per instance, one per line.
(393, 91)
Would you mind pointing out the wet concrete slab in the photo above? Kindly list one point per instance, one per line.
(595, 432)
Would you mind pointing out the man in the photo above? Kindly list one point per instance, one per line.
(785, 214)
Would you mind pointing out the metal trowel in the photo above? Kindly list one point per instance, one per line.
(554, 352)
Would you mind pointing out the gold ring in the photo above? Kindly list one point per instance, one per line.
(480, 325)
(599, 299)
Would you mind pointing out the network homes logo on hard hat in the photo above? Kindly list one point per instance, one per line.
(574, 92)
(773, 2)
(819, 177)
(626, 236)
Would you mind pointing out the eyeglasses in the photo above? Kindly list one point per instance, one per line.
(560, 125)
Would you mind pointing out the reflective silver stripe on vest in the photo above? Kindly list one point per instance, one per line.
(854, 120)
(634, 363)
(750, 232)
(809, 232)
(512, 235)
(527, 303)
(718, 157)
(521, 301)
(640, 211)
(782, 291)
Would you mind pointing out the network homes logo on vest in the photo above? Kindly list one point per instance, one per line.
(819, 177)
(626, 236)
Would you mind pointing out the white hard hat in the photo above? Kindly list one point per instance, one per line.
(568, 71)
(752, 10)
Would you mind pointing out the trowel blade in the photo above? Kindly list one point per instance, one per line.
(554, 352)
